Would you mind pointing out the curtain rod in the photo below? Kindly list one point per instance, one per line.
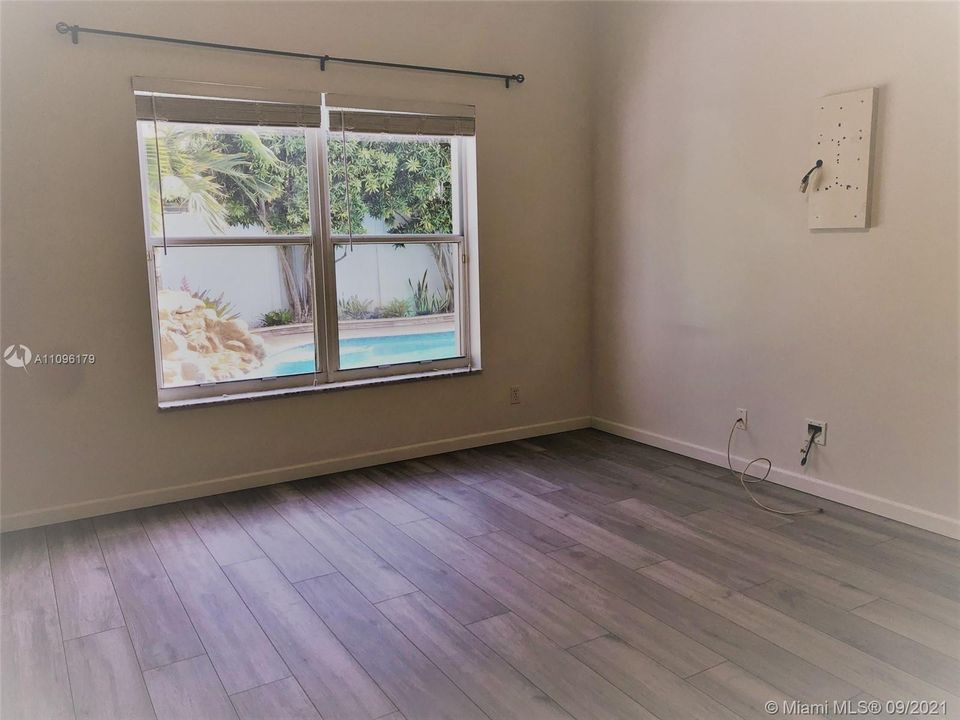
(75, 30)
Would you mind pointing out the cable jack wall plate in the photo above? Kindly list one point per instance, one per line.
(821, 439)
(839, 192)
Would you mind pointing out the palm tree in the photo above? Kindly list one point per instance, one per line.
(183, 165)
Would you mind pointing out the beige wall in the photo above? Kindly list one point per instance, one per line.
(709, 291)
(74, 263)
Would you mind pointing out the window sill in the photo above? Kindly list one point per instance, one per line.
(310, 389)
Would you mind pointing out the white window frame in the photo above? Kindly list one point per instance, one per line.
(328, 374)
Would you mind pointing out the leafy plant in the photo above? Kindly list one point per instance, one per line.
(395, 309)
(353, 308)
(421, 295)
(441, 303)
(424, 302)
(223, 309)
(274, 318)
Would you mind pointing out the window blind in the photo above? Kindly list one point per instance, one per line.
(221, 111)
(365, 121)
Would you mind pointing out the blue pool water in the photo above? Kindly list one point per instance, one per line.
(372, 352)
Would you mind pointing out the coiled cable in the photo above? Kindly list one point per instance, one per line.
(742, 477)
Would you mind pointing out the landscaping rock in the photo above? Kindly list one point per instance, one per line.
(199, 346)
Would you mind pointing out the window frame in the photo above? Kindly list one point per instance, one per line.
(321, 239)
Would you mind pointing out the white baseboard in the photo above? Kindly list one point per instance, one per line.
(892, 509)
(909, 514)
(174, 493)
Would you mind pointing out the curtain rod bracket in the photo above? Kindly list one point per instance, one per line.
(75, 30)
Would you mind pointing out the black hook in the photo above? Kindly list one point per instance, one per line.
(806, 178)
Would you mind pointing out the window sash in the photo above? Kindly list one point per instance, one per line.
(461, 327)
(326, 326)
(247, 384)
(314, 240)
(329, 288)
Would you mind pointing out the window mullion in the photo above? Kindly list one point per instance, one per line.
(316, 158)
(326, 288)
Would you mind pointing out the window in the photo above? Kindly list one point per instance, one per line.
(300, 244)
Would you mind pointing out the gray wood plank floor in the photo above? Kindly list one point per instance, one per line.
(576, 575)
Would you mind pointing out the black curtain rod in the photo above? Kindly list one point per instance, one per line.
(75, 30)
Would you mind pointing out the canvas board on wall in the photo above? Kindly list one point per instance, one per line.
(839, 192)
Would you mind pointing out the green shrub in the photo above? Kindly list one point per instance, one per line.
(395, 309)
(353, 308)
(283, 316)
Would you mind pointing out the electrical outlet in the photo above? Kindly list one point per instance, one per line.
(514, 394)
(742, 417)
(821, 438)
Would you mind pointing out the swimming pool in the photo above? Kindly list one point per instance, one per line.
(371, 352)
